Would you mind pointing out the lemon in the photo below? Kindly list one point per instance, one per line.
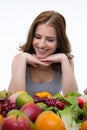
(24, 92)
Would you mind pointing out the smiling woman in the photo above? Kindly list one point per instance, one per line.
(46, 61)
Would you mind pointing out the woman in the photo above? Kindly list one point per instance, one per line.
(46, 62)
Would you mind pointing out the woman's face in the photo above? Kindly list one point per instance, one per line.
(45, 40)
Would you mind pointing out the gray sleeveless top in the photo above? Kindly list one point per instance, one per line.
(52, 87)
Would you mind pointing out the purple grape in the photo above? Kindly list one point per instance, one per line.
(59, 105)
(7, 106)
(37, 99)
(2, 101)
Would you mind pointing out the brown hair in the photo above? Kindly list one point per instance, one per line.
(55, 20)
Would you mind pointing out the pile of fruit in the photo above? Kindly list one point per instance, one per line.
(42, 111)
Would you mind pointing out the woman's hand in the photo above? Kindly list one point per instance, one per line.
(33, 60)
(54, 58)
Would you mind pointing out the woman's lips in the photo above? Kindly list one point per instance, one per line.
(42, 50)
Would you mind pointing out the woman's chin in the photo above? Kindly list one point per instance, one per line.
(41, 56)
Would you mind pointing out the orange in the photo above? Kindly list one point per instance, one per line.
(1, 119)
(43, 94)
(48, 120)
(84, 125)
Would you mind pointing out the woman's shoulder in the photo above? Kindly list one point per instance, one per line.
(17, 57)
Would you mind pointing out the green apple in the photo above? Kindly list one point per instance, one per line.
(15, 112)
(22, 99)
(42, 105)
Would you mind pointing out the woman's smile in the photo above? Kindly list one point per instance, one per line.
(42, 50)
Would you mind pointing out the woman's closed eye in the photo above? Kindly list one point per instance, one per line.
(37, 36)
(50, 39)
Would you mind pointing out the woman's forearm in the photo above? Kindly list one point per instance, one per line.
(18, 74)
(68, 78)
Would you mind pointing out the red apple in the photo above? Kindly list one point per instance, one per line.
(31, 110)
(20, 113)
(15, 122)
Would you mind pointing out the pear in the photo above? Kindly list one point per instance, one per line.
(5, 94)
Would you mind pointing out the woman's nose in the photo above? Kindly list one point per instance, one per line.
(42, 43)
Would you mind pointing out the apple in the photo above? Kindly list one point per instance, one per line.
(16, 112)
(42, 105)
(14, 95)
(20, 113)
(15, 122)
(31, 110)
(22, 99)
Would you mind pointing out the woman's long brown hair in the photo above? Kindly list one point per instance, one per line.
(57, 21)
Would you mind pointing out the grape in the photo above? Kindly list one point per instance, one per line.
(54, 102)
(59, 105)
(2, 101)
(6, 107)
(37, 99)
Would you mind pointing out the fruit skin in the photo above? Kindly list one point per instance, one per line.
(14, 95)
(83, 125)
(80, 102)
(22, 99)
(48, 120)
(1, 119)
(42, 105)
(24, 92)
(5, 94)
(15, 112)
(14, 122)
(31, 110)
(43, 94)
(20, 113)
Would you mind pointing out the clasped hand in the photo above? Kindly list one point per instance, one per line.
(54, 58)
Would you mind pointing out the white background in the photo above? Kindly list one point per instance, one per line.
(16, 17)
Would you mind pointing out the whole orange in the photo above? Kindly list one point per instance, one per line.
(84, 125)
(48, 120)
